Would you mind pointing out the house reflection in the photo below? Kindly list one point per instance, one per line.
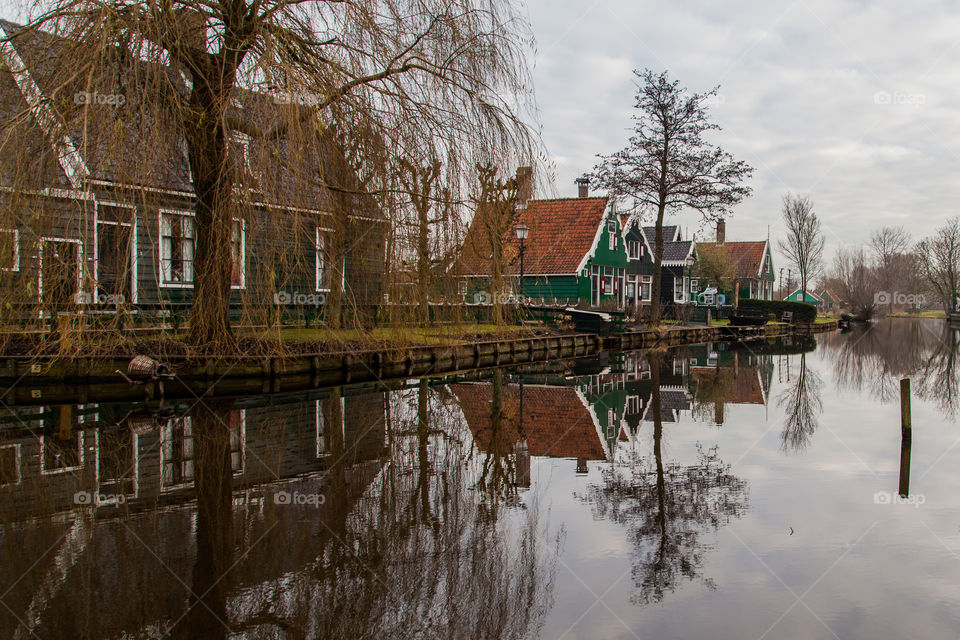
(343, 512)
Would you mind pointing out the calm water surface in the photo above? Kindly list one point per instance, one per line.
(715, 491)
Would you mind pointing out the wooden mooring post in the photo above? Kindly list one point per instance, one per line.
(906, 438)
(906, 426)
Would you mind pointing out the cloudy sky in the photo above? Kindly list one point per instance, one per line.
(855, 103)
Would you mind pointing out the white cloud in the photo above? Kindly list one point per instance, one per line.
(800, 83)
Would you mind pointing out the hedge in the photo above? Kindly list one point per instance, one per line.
(802, 311)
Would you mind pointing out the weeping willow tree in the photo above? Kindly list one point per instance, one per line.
(281, 123)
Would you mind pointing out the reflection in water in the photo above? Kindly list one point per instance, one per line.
(667, 507)
(876, 356)
(361, 512)
(801, 404)
(332, 514)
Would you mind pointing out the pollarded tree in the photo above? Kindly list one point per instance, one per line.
(803, 245)
(668, 165)
(353, 74)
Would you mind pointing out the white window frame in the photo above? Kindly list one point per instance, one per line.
(133, 243)
(163, 282)
(16, 249)
(320, 262)
(169, 456)
(189, 285)
(646, 288)
(678, 281)
(633, 254)
(74, 241)
(43, 462)
(612, 235)
(694, 285)
(462, 287)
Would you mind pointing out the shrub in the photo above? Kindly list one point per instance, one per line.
(802, 312)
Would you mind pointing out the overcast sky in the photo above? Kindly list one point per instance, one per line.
(855, 103)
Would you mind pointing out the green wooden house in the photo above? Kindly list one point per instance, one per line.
(574, 255)
(807, 296)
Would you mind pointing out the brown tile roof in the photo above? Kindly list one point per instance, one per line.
(561, 233)
(555, 421)
(747, 256)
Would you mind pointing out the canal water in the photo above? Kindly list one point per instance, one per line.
(735, 491)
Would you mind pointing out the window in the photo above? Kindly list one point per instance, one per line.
(634, 249)
(694, 286)
(178, 234)
(321, 262)
(463, 287)
(9, 250)
(678, 288)
(645, 284)
(237, 255)
(606, 287)
(10, 464)
(114, 252)
(633, 405)
(177, 237)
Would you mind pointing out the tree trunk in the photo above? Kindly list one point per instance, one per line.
(212, 265)
(654, 318)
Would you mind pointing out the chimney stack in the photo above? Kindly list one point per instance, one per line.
(524, 186)
(721, 231)
(584, 186)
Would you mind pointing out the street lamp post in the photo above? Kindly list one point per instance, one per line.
(522, 232)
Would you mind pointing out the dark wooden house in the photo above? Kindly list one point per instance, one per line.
(99, 207)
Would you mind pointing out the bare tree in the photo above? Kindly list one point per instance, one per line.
(715, 267)
(803, 245)
(668, 165)
(356, 76)
(939, 262)
(855, 281)
(890, 247)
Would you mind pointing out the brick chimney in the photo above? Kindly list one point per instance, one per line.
(524, 186)
(721, 231)
(584, 187)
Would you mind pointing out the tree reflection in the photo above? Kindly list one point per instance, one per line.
(802, 406)
(667, 507)
(874, 359)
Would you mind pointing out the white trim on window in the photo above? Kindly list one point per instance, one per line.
(133, 243)
(188, 284)
(320, 262)
(165, 278)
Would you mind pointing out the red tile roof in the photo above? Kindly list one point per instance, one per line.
(555, 421)
(746, 388)
(747, 256)
(562, 231)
